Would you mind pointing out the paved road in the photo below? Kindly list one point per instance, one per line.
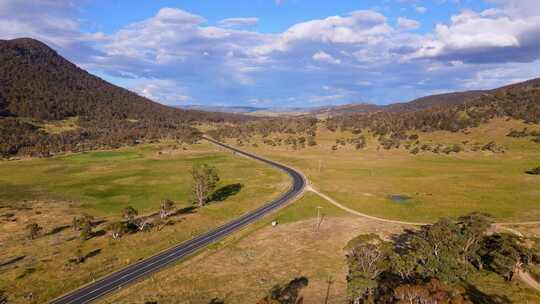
(155, 263)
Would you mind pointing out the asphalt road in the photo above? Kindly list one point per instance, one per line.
(134, 272)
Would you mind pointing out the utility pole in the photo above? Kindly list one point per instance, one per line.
(330, 281)
(318, 217)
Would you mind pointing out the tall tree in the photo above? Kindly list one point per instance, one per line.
(205, 179)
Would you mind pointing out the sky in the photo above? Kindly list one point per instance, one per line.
(288, 53)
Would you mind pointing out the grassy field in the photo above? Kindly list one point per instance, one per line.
(52, 191)
(439, 185)
(245, 266)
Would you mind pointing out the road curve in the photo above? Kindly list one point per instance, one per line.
(136, 271)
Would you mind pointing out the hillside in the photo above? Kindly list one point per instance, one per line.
(38, 86)
(447, 99)
(450, 112)
(38, 83)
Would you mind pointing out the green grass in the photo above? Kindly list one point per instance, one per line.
(102, 183)
(306, 208)
(107, 181)
(439, 185)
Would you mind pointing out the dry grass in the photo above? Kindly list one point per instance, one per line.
(245, 266)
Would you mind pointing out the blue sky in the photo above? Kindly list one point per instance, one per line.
(288, 52)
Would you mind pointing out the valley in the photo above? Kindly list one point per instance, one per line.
(108, 196)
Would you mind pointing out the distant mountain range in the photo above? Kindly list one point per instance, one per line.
(248, 109)
(422, 103)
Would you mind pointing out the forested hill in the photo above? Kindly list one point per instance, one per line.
(37, 82)
(451, 112)
(39, 88)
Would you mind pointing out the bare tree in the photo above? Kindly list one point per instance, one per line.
(205, 179)
(142, 223)
(166, 208)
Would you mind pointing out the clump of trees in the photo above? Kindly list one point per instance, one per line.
(205, 179)
(428, 264)
(133, 223)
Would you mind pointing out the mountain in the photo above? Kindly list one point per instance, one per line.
(37, 82)
(222, 109)
(255, 111)
(38, 86)
(347, 109)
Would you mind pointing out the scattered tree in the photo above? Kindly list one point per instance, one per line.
(33, 230)
(129, 213)
(205, 179)
(84, 225)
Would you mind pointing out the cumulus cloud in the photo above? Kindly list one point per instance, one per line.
(52, 22)
(492, 35)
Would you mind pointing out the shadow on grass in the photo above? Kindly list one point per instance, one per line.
(12, 261)
(186, 210)
(58, 229)
(225, 192)
(477, 296)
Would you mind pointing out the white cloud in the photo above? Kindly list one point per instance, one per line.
(238, 22)
(176, 54)
(489, 36)
(325, 57)
(359, 27)
(420, 9)
(407, 24)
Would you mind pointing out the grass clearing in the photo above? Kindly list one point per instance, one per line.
(52, 191)
(439, 185)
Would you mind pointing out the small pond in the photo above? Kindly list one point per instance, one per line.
(399, 198)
